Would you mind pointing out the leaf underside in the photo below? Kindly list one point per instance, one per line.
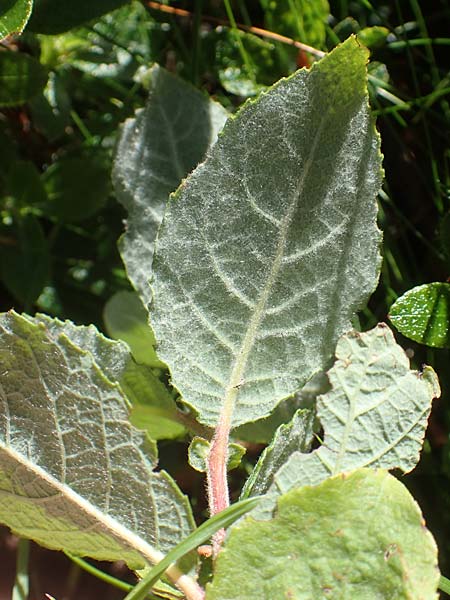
(375, 415)
(271, 245)
(74, 474)
(156, 149)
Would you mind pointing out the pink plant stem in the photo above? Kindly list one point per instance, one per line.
(217, 482)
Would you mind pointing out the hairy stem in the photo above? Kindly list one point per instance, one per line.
(218, 497)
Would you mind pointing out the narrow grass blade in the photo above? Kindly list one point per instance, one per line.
(200, 535)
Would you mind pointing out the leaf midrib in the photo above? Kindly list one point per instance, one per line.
(116, 529)
(235, 382)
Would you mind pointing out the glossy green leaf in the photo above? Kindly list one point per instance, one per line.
(76, 188)
(375, 414)
(57, 16)
(21, 78)
(152, 405)
(126, 319)
(423, 314)
(270, 246)
(358, 536)
(25, 262)
(295, 436)
(14, 15)
(156, 149)
(74, 474)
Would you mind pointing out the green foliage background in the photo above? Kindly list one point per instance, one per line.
(68, 93)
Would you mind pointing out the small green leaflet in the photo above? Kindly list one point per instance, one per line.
(271, 245)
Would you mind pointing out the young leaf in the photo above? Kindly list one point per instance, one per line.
(21, 78)
(74, 474)
(423, 314)
(198, 453)
(14, 16)
(296, 436)
(355, 536)
(156, 149)
(375, 415)
(271, 245)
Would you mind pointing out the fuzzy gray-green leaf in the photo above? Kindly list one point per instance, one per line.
(375, 414)
(271, 245)
(74, 474)
(156, 149)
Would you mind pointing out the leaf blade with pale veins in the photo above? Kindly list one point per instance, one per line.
(375, 414)
(359, 535)
(156, 149)
(271, 245)
(74, 474)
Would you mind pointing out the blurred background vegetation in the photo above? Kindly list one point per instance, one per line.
(81, 68)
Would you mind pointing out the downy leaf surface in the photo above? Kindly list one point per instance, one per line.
(271, 245)
(357, 536)
(74, 474)
(375, 415)
(156, 149)
(153, 407)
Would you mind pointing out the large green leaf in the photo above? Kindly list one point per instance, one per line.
(21, 78)
(74, 474)
(375, 415)
(57, 16)
(152, 405)
(423, 314)
(14, 15)
(271, 245)
(156, 149)
(359, 536)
